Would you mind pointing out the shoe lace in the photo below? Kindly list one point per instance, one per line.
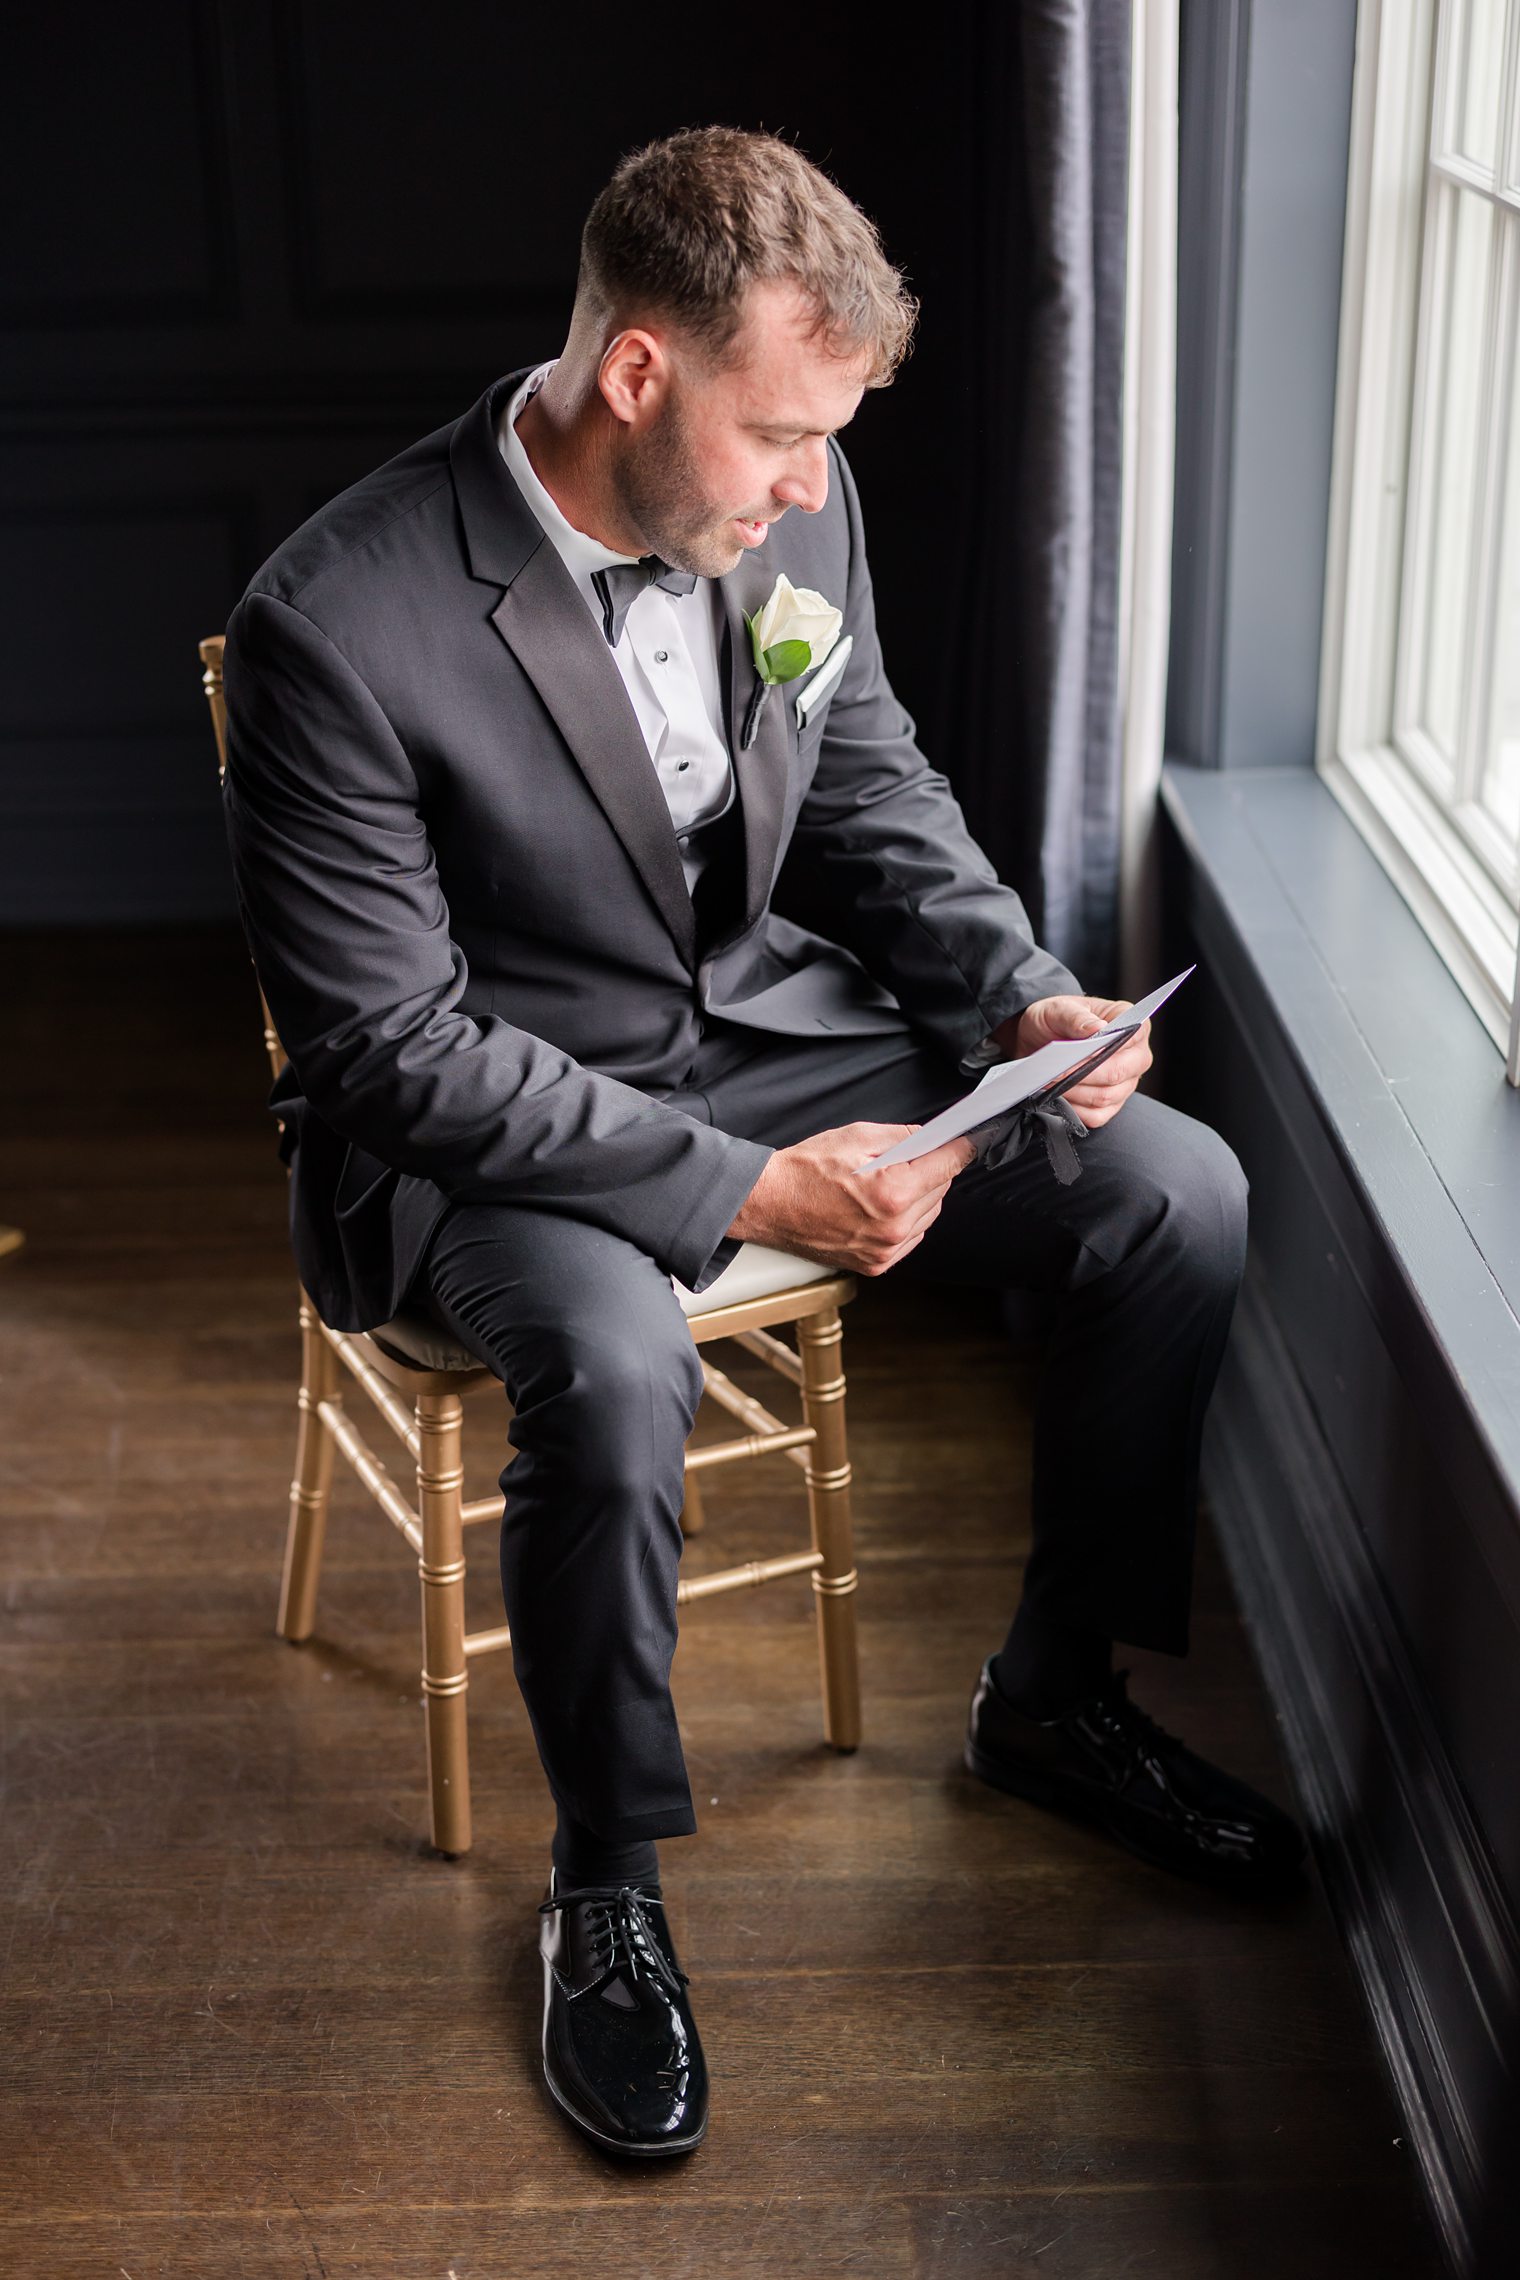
(1128, 1716)
(1149, 1738)
(620, 1930)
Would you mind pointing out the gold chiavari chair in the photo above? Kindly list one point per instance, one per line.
(414, 1374)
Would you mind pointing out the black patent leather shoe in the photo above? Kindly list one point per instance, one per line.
(1108, 1763)
(622, 2056)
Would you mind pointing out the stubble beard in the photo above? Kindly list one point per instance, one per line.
(661, 492)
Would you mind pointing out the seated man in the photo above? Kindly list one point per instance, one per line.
(597, 949)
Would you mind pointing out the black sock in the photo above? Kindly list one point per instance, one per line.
(582, 1858)
(1046, 1667)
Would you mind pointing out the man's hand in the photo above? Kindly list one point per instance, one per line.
(1109, 1087)
(811, 1199)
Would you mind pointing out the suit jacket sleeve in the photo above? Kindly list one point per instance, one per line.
(349, 933)
(881, 859)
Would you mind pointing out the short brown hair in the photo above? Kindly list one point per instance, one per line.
(686, 225)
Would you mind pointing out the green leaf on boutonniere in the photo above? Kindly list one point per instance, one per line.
(786, 660)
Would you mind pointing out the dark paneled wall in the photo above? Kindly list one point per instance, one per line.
(1363, 1449)
(252, 248)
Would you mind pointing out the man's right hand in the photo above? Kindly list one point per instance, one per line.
(812, 1198)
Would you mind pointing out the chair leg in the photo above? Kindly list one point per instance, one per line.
(693, 1512)
(819, 1339)
(445, 1672)
(311, 1489)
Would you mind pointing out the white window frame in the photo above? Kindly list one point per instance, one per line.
(1447, 856)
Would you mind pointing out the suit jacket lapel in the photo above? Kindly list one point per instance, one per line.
(555, 639)
(762, 771)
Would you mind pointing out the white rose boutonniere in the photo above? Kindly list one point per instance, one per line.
(793, 629)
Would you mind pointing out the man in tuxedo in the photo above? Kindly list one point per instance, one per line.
(597, 951)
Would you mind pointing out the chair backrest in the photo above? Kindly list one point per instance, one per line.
(216, 697)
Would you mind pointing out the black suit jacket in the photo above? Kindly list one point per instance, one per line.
(461, 888)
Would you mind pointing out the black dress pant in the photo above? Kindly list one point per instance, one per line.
(1142, 1255)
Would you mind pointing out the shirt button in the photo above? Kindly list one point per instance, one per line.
(662, 657)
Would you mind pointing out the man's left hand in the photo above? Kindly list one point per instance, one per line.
(1104, 1093)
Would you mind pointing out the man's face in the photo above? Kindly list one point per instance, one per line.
(711, 458)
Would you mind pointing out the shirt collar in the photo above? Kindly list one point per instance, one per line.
(579, 553)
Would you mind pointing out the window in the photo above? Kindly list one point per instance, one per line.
(1420, 712)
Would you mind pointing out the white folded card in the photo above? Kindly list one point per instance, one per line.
(1007, 1083)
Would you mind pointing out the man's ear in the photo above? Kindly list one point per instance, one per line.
(633, 375)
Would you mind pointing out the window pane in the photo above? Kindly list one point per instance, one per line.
(1477, 64)
(1499, 789)
(1451, 446)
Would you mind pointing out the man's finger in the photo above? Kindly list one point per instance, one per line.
(1126, 1067)
(1115, 1075)
(1070, 1017)
(923, 1219)
(942, 1164)
(876, 1138)
(1101, 1096)
(925, 1174)
(951, 1156)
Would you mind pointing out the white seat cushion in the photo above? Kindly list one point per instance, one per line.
(753, 1272)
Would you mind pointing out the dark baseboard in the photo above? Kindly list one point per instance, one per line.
(1429, 1928)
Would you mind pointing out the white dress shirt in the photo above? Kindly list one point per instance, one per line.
(668, 654)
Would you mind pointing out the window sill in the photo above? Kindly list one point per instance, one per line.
(1409, 1085)
(1453, 891)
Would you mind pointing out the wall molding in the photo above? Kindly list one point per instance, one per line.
(215, 300)
(46, 709)
(336, 403)
(314, 294)
(1268, 1466)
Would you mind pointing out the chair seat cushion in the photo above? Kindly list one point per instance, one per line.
(755, 1271)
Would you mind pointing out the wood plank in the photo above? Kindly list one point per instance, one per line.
(977, 2128)
(137, 1932)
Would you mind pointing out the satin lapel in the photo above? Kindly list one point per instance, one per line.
(554, 638)
(762, 771)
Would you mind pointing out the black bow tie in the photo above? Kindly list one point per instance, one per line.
(621, 583)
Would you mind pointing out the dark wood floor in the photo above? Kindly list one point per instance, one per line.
(252, 2027)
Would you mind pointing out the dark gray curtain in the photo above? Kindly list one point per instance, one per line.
(1030, 727)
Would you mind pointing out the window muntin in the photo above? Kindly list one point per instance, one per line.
(1420, 719)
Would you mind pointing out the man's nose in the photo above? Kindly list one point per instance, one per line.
(808, 486)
